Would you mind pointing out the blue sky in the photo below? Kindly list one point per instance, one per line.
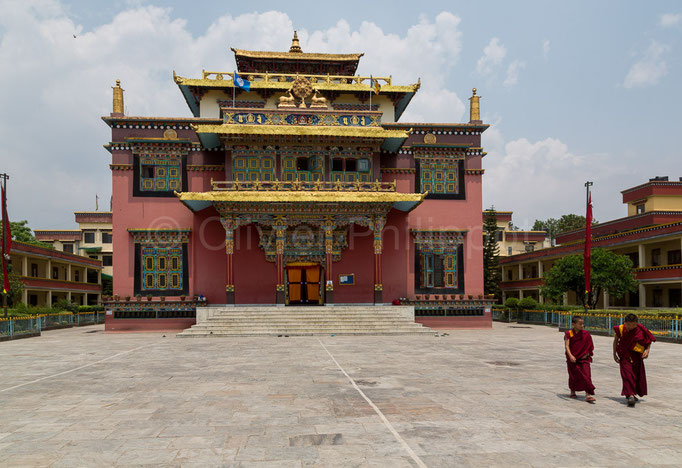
(573, 90)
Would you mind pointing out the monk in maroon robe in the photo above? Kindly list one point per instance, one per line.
(579, 350)
(630, 348)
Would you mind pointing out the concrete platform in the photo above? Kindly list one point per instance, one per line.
(82, 397)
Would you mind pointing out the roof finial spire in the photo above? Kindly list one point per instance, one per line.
(117, 108)
(295, 46)
(475, 109)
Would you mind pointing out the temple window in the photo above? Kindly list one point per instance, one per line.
(351, 169)
(302, 168)
(161, 266)
(107, 260)
(106, 237)
(253, 168)
(440, 177)
(162, 269)
(158, 171)
(68, 248)
(439, 261)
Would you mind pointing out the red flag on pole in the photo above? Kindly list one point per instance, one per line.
(588, 245)
(6, 243)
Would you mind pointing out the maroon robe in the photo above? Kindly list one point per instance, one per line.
(579, 372)
(631, 362)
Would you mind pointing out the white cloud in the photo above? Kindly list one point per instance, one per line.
(670, 19)
(649, 69)
(545, 48)
(56, 87)
(543, 179)
(513, 73)
(493, 54)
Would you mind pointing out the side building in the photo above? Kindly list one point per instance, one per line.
(92, 239)
(651, 235)
(514, 241)
(49, 275)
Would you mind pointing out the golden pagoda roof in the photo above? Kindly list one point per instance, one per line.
(316, 130)
(296, 55)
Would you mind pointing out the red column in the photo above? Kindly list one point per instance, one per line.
(328, 275)
(378, 227)
(229, 225)
(279, 262)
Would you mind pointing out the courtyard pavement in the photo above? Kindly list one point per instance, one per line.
(82, 397)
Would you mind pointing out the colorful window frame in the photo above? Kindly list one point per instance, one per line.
(442, 179)
(161, 269)
(439, 269)
(253, 168)
(159, 173)
(362, 172)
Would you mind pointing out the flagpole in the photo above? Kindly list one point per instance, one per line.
(588, 247)
(4, 178)
(233, 88)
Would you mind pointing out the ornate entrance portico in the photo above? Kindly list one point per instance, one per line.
(298, 225)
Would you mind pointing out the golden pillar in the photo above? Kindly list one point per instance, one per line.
(117, 108)
(475, 108)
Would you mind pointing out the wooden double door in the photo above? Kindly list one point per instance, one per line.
(304, 283)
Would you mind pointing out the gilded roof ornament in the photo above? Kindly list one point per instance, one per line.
(295, 46)
(117, 107)
(475, 108)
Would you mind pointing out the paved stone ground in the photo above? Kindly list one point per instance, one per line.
(80, 397)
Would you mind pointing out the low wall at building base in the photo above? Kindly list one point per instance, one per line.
(147, 325)
(457, 322)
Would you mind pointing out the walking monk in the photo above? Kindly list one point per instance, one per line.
(579, 350)
(630, 347)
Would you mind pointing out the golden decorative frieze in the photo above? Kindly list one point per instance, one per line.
(205, 167)
(121, 167)
(317, 115)
(474, 171)
(398, 170)
(353, 132)
(283, 81)
(303, 185)
(253, 196)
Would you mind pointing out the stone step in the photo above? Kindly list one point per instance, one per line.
(304, 321)
(298, 333)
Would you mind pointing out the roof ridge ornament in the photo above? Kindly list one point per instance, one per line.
(295, 46)
(117, 107)
(475, 108)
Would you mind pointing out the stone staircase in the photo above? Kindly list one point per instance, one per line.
(217, 321)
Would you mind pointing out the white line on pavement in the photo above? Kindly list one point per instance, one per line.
(77, 368)
(386, 422)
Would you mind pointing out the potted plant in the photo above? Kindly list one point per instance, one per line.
(162, 298)
(138, 297)
(182, 298)
(470, 296)
(116, 297)
(127, 298)
(149, 297)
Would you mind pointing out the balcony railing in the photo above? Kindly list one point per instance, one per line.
(302, 185)
(288, 77)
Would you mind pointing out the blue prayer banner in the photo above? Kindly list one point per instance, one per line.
(240, 82)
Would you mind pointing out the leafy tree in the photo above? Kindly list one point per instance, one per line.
(22, 233)
(610, 272)
(512, 303)
(569, 222)
(491, 254)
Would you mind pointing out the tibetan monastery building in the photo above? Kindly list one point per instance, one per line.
(295, 183)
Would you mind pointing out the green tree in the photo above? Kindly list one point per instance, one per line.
(491, 254)
(22, 233)
(610, 272)
(554, 227)
(16, 288)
